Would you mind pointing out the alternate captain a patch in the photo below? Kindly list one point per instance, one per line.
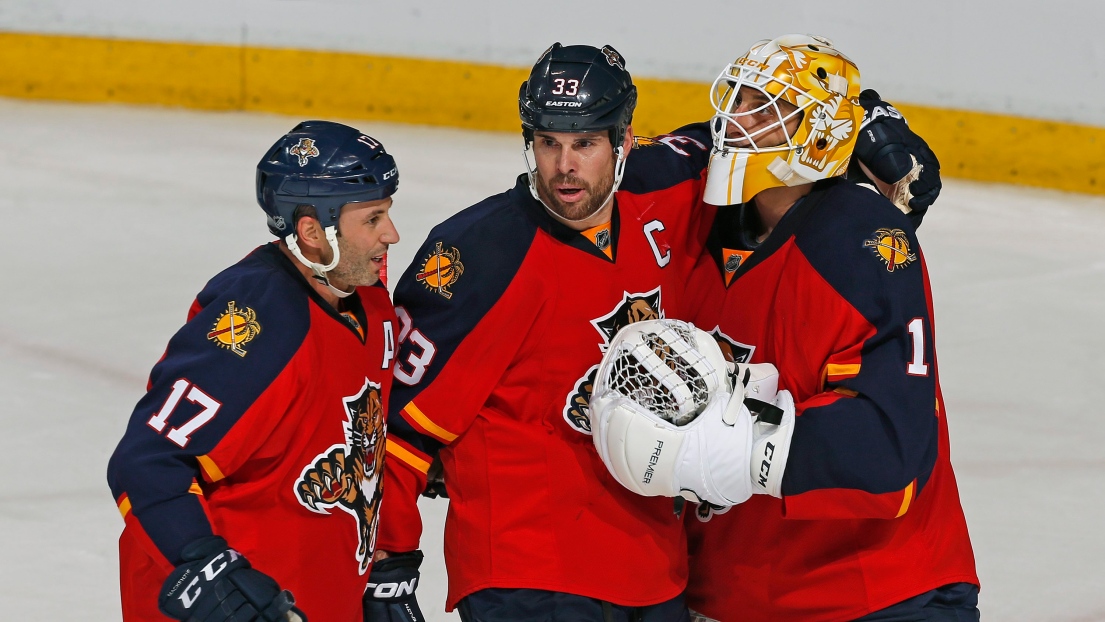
(235, 328)
(441, 270)
(892, 247)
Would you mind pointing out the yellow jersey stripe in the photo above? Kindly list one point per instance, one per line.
(907, 499)
(836, 371)
(124, 506)
(428, 425)
(210, 469)
(406, 456)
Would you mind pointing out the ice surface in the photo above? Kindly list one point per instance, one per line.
(115, 217)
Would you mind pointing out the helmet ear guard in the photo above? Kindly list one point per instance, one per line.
(818, 84)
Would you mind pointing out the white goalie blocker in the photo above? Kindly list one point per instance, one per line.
(669, 417)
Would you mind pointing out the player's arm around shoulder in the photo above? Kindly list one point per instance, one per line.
(658, 162)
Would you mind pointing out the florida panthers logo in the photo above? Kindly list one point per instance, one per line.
(304, 150)
(734, 351)
(612, 57)
(632, 308)
(350, 476)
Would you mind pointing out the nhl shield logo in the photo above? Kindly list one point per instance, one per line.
(602, 239)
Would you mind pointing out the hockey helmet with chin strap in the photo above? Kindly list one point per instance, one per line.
(324, 165)
(577, 88)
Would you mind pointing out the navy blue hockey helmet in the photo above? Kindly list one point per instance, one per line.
(325, 165)
(578, 88)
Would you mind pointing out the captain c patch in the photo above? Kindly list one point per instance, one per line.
(235, 328)
(892, 247)
(441, 270)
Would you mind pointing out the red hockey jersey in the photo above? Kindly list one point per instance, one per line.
(264, 423)
(837, 297)
(504, 317)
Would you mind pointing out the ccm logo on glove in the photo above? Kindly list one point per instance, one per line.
(765, 466)
(210, 571)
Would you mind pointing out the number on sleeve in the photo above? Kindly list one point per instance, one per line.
(181, 435)
(418, 361)
(917, 367)
(157, 422)
(421, 354)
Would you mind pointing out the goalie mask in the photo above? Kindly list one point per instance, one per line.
(787, 113)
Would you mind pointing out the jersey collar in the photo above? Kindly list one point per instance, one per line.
(559, 231)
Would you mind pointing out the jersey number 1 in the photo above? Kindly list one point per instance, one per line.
(917, 367)
(182, 434)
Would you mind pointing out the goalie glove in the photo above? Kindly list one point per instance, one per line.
(668, 418)
(771, 436)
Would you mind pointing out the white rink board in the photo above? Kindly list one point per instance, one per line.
(1021, 57)
(116, 217)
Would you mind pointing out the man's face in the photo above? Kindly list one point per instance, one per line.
(575, 171)
(365, 231)
(759, 119)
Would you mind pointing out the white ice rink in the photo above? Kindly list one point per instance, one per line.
(115, 217)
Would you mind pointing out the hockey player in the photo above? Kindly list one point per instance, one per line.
(857, 514)
(504, 316)
(252, 469)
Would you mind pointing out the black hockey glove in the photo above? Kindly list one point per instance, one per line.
(900, 159)
(391, 585)
(435, 481)
(216, 584)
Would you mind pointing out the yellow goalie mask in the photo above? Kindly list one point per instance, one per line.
(786, 113)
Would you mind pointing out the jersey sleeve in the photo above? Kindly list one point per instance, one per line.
(660, 162)
(865, 442)
(458, 335)
(199, 392)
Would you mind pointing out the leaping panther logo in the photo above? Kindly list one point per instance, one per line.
(632, 308)
(304, 150)
(350, 476)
